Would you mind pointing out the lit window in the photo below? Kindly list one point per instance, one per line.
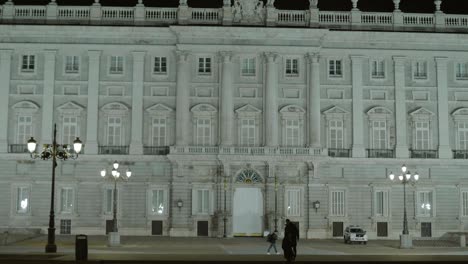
(158, 202)
(424, 203)
(293, 202)
(66, 200)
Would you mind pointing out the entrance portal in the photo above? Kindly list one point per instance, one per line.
(248, 212)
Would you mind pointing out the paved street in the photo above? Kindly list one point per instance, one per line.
(159, 249)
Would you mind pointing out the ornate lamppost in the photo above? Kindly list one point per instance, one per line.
(225, 203)
(405, 177)
(53, 151)
(114, 238)
(276, 203)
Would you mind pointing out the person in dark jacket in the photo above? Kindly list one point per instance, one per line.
(292, 234)
(287, 249)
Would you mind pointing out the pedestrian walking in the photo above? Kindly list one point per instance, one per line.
(291, 233)
(271, 238)
(287, 249)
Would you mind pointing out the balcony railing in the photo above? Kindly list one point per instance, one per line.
(145, 16)
(245, 150)
(380, 153)
(424, 154)
(339, 153)
(113, 150)
(460, 154)
(156, 150)
(18, 148)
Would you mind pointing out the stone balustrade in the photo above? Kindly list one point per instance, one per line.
(265, 16)
(213, 150)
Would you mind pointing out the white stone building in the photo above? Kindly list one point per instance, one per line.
(229, 130)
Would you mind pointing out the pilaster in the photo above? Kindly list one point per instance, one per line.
(136, 143)
(48, 96)
(93, 102)
(442, 108)
(183, 98)
(401, 148)
(226, 103)
(358, 140)
(271, 100)
(5, 70)
(314, 101)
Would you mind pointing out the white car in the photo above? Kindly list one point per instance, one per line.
(354, 233)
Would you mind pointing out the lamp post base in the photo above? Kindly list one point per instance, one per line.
(406, 241)
(51, 248)
(113, 239)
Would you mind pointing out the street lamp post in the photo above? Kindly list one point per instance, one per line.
(276, 203)
(114, 238)
(225, 205)
(53, 151)
(405, 177)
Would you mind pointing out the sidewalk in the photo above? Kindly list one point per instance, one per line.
(239, 249)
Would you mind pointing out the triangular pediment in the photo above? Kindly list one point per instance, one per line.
(70, 107)
(159, 108)
(203, 108)
(292, 109)
(248, 109)
(335, 110)
(421, 112)
(379, 110)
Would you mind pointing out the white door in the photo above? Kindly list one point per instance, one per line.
(248, 212)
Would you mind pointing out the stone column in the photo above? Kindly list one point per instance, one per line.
(271, 100)
(5, 69)
(226, 102)
(183, 98)
(48, 96)
(136, 145)
(358, 139)
(401, 148)
(442, 108)
(314, 101)
(91, 144)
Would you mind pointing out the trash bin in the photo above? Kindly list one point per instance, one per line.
(81, 247)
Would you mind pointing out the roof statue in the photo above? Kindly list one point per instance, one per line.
(248, 11)
(313, 3)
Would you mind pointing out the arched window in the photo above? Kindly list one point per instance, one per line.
(248, 176)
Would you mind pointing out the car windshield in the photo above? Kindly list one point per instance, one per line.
(356, 230)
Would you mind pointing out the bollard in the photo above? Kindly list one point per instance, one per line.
(462, 240)
(81, 247)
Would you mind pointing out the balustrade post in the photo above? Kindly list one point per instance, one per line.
(271, 15)
(183, 12)
(355, 15)
(439, 16)
(139, 13)
(314, 14)
(8, 10)
(96, 13)
(227, 13)
(51, 11)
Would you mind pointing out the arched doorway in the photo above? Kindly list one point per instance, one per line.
(248, 205)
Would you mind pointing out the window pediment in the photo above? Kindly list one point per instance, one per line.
(248, 109)
(204, 108)
(115, 108)
(380, 112)
(28, 107)
(70, 108)
(159, 109)
(292, 111)
(460, 114)
(335, 112)
(421, 114)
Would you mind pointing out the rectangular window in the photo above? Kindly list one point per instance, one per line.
(420, 70)
(69, 129)
(379, 135)
(381, 203)
(249, 66)
(337, 203)
(116, 65)
(461, 70)
(159, 132)
(158, 202)
(109, 200)
(28, 63)
(114, 131)
(425, 205)
(66, 200)
(72, 64)
(204, 66)
(24, 132)
(293, 202)
(203, 132)
(464, 203)
(422, 135)
(336, 134)
(65, 226)
(292, 67)
(378, 69)
(335, 68)
(203, 201)
(23, 199)
(160, 65)
(463, 136)
(247, 132)
(292, 133)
